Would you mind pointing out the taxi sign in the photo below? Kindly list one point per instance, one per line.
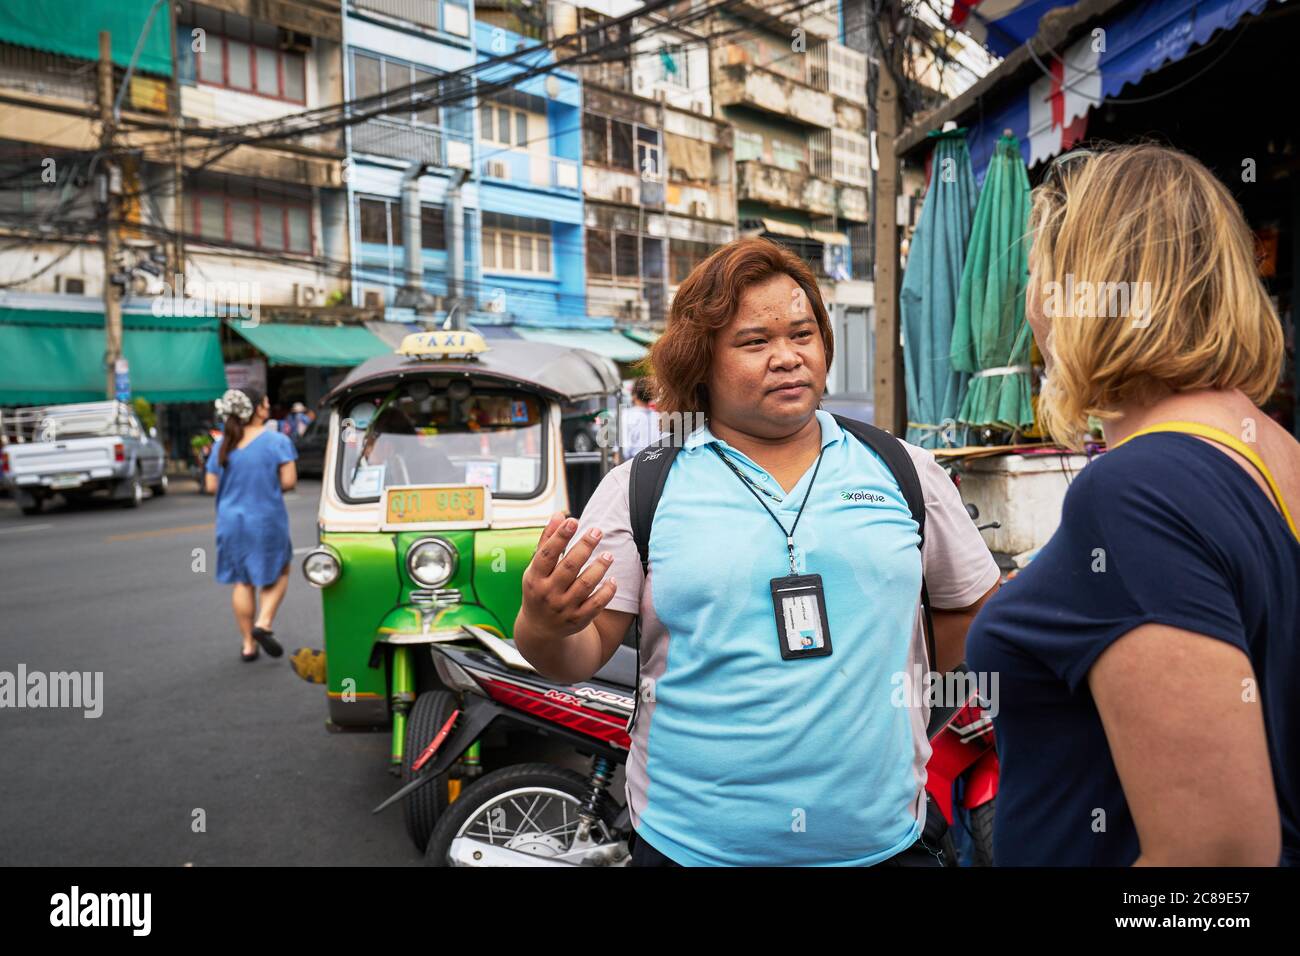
(442, 344)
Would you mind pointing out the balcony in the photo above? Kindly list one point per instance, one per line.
(380, 137)
(784, 188)
(740, 84)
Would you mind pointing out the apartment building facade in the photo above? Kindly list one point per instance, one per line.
(795, 98)
(410, 156)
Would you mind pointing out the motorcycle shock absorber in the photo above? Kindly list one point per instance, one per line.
(602, 775)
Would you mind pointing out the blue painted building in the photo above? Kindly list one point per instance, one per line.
(531, 270)
(386, 49)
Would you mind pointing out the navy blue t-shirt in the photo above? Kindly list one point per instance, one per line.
(1188, 540)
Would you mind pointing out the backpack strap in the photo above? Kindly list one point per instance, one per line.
(898, 461)
(645, 486)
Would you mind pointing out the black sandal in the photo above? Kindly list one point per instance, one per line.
(250, 657)
(268, 642)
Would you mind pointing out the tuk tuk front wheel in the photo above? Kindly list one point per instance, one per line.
(421, 809)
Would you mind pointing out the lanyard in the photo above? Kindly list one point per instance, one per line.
(789, 535)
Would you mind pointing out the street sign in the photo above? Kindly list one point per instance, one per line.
(122, 380)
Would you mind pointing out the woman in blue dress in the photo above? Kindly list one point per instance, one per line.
(249, 469)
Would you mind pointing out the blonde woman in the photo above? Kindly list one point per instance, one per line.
(1149, 657)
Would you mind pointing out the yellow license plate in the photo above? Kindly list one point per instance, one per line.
(441, 503)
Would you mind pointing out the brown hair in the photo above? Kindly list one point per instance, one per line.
(706, 302)
(233, 432)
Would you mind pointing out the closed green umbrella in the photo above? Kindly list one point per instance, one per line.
(990, 337)
(929, 295)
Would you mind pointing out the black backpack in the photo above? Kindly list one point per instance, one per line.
(646, 485)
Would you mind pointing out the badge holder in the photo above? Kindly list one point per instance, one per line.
(800, 607)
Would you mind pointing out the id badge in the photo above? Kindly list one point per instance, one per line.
(800, 608)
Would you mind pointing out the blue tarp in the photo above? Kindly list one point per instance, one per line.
(1046, 115)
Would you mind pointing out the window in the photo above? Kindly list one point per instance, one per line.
(246, 55)
(373, 75)
(624, 257)
(373, 215)
(673, 65)
(232, 211)
(748, 145)
(381, 222)
(611, 142)
(647, 152)
(791, 156)
(599, 261)
(506, 125)
(620, 140)
(684, 257)
(595, 139)
(516, 244)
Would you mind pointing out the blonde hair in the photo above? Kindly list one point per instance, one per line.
(1150, 225)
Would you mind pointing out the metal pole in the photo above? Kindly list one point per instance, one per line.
(889, 402)
(112, 305)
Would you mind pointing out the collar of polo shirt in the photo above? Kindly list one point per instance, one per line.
(831, 433)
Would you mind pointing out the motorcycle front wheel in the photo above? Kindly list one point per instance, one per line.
(510, 814)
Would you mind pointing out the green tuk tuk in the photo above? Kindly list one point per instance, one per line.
(444, 462)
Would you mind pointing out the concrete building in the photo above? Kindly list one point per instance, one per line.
(529, 171)
(796, 100)
(424, 155)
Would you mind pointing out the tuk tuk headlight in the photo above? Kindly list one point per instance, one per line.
(321, 567)
(431, 562)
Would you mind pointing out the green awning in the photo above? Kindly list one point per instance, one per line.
(610, 344)
(71, 28)
(323, 346)
(646, 337)
(47, 357)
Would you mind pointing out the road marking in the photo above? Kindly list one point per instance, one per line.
(30, 527)
(160, 532)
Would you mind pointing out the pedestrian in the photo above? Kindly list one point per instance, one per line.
(249, 469)
(1148, 657)
(753, 743)
(641, 420)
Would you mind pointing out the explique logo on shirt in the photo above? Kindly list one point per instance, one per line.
(870, 496)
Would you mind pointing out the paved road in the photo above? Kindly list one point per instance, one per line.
(186, 724)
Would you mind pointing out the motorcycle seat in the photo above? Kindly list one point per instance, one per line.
(619, 669)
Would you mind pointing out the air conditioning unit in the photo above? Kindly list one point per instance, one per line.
(70, 285)
(498, 169)
(308, 295)
(623, 194)
(373, 298)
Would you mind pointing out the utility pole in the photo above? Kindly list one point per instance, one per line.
(178, 162)
(891, 406)
(108, 205)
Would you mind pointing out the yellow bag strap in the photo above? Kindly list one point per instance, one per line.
(1223, 438)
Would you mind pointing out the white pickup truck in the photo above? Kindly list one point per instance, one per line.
(79, 450)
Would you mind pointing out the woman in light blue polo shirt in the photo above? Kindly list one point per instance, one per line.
(747, 750)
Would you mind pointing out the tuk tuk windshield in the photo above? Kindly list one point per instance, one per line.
(420, 435)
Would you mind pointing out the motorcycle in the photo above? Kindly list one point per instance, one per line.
(539, 814)
(532, 814)
(963, 757)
